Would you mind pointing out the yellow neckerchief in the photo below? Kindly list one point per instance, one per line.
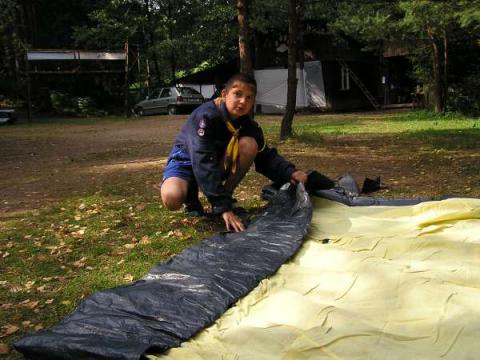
(231, 154)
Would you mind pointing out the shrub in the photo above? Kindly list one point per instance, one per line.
(464, 96)
(79, 106)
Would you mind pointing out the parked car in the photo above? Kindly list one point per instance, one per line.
(170, 100)
(7, 116)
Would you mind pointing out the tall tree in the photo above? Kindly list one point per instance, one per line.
(243, 41)
(430, 23)
(286, 128)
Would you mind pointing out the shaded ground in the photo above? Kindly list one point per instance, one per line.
(41, 164)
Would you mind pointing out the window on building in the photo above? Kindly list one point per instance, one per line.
(345, 78)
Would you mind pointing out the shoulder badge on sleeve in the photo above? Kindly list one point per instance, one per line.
(202, 125)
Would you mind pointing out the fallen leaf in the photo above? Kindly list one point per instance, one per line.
(41, 288)
(80, 263)
(66, 302)
(15, 289)
(4, 349)
(7, 330)
(39, 327)
(5, 254)
(129, 246)
(29, 284)
(26, 323)
(145, 240)
(140, 207)
(120, 253)
(49, 301)
(28, 304)
(176, 233)
(121, 262)
(128, 277)
(187, 236)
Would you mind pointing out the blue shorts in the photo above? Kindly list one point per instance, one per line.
(179, 165)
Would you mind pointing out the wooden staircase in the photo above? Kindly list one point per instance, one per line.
(361, 85)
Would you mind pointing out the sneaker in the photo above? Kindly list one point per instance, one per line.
(193, 206)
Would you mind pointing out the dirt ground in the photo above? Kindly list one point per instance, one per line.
(40, 165)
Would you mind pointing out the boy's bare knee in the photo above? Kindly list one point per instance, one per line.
(247, 146)
(172, 200)
(173, 196)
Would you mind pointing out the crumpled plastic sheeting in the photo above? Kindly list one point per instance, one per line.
(389, 283)
(182, 296)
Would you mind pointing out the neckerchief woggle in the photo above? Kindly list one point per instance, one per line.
(231, 154)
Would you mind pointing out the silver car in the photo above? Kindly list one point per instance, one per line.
(170, 100)
(7, 116)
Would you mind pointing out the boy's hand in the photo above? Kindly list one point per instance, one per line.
(298, 177)
(232, 222)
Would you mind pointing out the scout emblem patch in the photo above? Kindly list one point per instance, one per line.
(201, 132)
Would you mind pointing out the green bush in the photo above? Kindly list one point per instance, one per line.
(79, 106)
(465, 97)
(86, 106)
(61, 103)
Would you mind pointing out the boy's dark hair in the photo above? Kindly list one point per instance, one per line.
(242, 77)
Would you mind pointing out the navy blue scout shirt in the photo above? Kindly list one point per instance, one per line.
(205, 137)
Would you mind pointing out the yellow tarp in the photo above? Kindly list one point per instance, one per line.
(391, 283)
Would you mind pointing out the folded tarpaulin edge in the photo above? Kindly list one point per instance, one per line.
(178, 298)
(341, 196)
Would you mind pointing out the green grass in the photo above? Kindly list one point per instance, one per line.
(449, 131)
(409, 122)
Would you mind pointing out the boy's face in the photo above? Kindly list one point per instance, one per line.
(239, 99)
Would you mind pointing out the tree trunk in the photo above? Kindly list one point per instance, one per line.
(437, 80)
(286, 129)
(151, 40)
(445, 68)
(126, 107)
(243, 46)
(173, 63)
(438, 103)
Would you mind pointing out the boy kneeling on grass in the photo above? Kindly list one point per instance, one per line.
(214, 150)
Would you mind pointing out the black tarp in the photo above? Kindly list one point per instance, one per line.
(180, 297)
